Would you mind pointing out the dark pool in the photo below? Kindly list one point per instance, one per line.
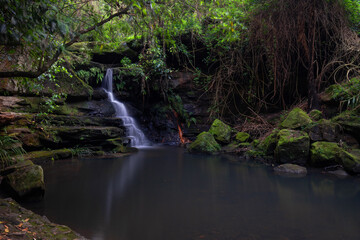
(166, 193)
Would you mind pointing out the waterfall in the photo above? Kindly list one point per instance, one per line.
(136, 136)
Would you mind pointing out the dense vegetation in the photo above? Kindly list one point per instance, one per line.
(250, 54)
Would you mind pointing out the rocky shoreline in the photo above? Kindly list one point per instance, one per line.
(18, 223)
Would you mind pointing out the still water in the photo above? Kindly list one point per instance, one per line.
(166, 193)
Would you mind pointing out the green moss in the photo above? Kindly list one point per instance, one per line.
(315, 115)
(297, 118)
(41, 157)
(324, 154)
(26, 179)
(220, 131)
(205, 142)
(242, 137)
(350, 160)
(292, 147)
(268, 145)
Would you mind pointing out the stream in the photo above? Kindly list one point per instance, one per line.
(167, 193)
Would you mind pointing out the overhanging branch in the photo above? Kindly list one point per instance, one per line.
(51, 61)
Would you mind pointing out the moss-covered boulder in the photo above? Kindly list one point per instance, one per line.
(205, 142)
(315, 115)
(268, 145)
(350, 122)
(292, 146)
(221, 131)
(26, 180)
(324, 130)
(242, 137)
(350, 160)
(324, 154)
(296, 119)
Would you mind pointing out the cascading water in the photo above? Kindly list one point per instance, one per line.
(134, 133)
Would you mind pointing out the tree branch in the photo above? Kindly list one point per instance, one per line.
(51, 61)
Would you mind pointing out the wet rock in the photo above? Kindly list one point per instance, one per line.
(324, 154)
(340, 173)
(290, 169)
(27, 180)
(296, 119)
(292, 147)
(220, 131)
(21, 223)
(205, 142)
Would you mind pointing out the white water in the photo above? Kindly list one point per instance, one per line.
(136, 136)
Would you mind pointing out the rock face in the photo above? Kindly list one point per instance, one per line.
(297, 118)
(221, 131)
(292, 147)
(26, 179)
(324, 154)
(290, 169)
(204, 142)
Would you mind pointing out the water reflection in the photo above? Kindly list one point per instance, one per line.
(165, 193)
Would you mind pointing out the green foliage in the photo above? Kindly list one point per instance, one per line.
(93, 73)
(9, 147)
(176, 105)
(347, 93)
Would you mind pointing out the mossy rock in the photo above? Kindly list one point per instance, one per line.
(41, 157)
(292, 147)
(205, 142)
(350, 122)
(231, 147)
(296, 119)
(33, 226)
(315, 115)
(323, 130)
(324, 154)
(27, 180)
(221, 131)
(242, 137)
(268, 145)
(350, 160)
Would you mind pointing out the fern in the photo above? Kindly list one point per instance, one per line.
(8, 148)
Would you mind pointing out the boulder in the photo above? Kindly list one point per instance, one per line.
(205, 142)
(350, 160)
(350, 122)
(242, 137)
(296, 119)
(268, 145)
(221, 131)
(324, 130)
(27, 179)
(324, 154)
(292, 147)
(290, 169)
